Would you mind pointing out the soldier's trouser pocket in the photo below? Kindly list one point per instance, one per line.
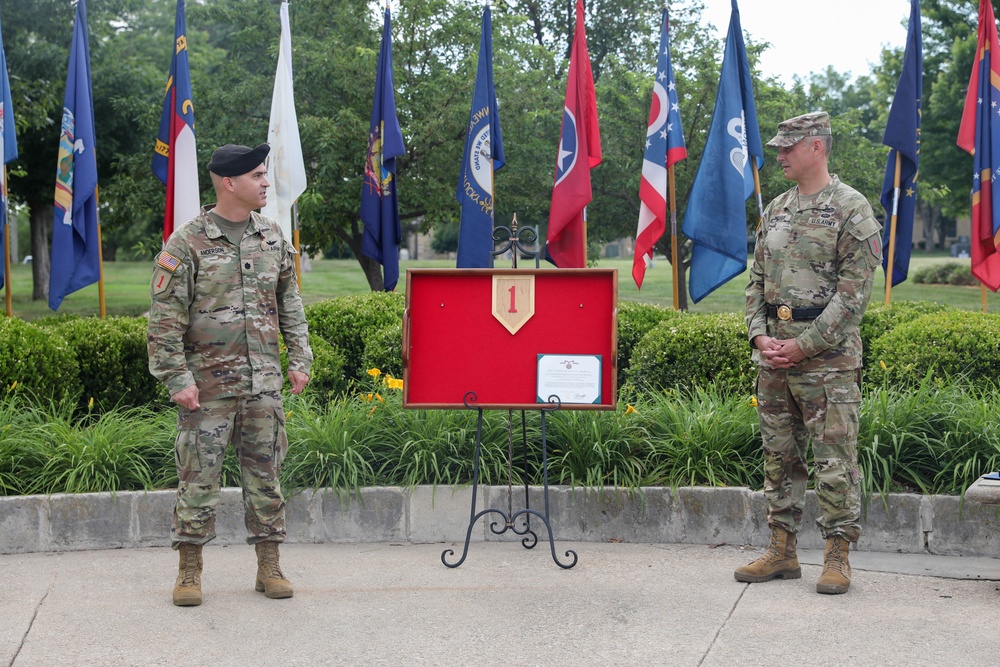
(187, 455)
(841, 423)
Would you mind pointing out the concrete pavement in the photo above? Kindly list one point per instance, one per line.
(394, 603)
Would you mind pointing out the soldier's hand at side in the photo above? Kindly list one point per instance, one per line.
(187, 397)
(298, 380)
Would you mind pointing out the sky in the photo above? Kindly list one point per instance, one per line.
(808, 35)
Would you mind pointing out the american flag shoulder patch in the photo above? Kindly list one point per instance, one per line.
(168, 261)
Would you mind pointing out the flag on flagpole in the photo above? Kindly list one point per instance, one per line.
(379, 203)
(76, 252)
(979, 134)
(715, 219)
(664, 147)
(579, 152)
(175, 158)
(286, 170)
(8, 148)
(902, 135)
(482, 157)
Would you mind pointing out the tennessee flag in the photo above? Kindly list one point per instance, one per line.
(579, 152)
(664, 147)
(979, 134)
(175, 159)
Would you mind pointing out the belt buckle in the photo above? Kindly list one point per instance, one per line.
(784, 313)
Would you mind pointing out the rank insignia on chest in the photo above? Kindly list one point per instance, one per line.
(168, 261)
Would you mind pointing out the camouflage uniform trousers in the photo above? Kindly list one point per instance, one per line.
(798, 408)
(255, 426)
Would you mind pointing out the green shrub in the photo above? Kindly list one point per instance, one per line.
(941, 345)
(694, 351)
(945, 273)
(326, 378)
(879, 320)
(384, 349)
(112, 361)
(343, 322)
(635, 320)
(38, 359)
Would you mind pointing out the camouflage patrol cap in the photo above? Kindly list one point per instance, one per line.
(233, 160)
(794, 130)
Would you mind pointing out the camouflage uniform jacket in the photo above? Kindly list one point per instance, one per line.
(217, 309)
(822, 255)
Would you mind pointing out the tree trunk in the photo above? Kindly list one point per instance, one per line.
(372, 269)
(41, 223)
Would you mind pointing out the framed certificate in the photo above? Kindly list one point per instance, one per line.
(572, 378)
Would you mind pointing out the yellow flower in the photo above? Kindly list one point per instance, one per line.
(90, 403)
(289, 415)
(394, 383)
(753, 401)
(629, 410)
(379, 397)
(13, 386)
(882, 364)
(374, 372)
(372, 411)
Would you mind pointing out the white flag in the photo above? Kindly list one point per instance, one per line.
(285, 168)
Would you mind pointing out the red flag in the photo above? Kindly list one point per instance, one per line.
(979, 134)
(579, 152)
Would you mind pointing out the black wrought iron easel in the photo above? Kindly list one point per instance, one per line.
(513, 242)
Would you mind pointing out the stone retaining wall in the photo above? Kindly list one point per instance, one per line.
(904, 523)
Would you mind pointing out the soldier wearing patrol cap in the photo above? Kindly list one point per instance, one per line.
(222, 288)
(816, 252)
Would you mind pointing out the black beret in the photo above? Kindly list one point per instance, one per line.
(232, 160)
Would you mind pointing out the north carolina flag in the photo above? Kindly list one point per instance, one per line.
(579, 152)
(76, 252)
(286, 170)
(979, 134)
(8, 149)
(664, 147)
(175, 158)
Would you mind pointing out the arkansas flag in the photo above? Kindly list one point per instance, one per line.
(175, 160)
(579, 152)
(979, 134)
(664, 147)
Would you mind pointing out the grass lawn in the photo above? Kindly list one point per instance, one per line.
(126, 287)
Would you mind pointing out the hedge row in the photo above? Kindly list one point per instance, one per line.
(102, 364)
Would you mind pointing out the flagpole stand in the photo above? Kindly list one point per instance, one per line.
(509, 517)
(513, 239)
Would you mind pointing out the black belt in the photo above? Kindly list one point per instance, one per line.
(785, 313)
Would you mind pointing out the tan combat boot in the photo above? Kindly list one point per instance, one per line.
(270, 581)
(836, 577)
(779, 561)
(187, 590)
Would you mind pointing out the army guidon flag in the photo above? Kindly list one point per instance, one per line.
(979, 134)
(8, 152)
(664, 147)
(175, 158)
(76, 251)
(483, 156)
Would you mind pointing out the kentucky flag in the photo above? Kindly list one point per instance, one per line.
(482, 157)
(664, 147)
(979, 134)
(379, 203)
(902, 135)
(175, 158)
(76, 252)
(715, 219)
(8, 149)
(579, 152)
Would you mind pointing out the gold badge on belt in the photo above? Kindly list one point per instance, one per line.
(784, 313)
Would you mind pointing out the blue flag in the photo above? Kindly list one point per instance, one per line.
(8, 149)
(379, 203)
(482, 157)
(715, 219)
(902, 135)
(76, 253)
